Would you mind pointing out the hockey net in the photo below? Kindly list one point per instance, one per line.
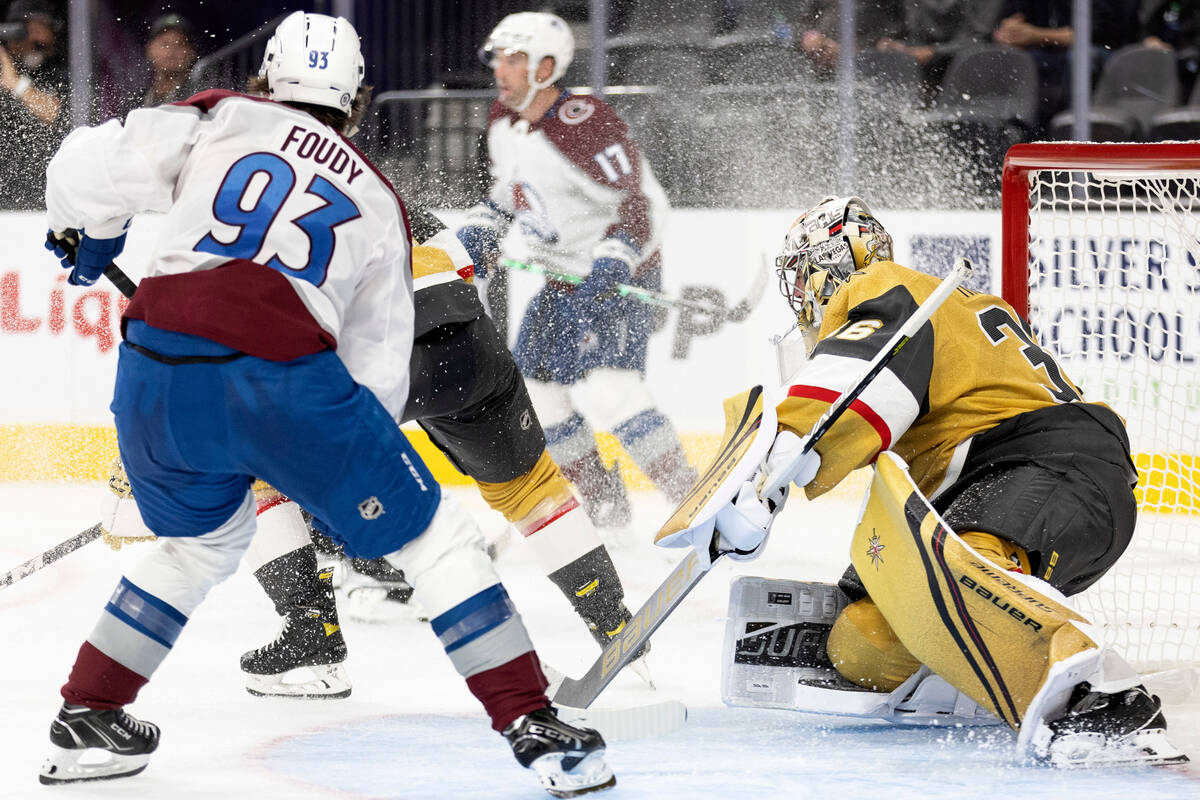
(1102, 254)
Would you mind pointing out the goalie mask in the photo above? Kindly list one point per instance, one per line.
(820, 251)
(314, 59)
(537, 34)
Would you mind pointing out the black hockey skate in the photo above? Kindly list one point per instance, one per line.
(568, 760)
(305, 660)
(91, 745)
(1106, 730)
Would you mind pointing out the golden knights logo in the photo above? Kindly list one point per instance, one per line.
(875, 549)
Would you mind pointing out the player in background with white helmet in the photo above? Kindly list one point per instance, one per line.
(572, 192)
(1033, 485)
(271, 339)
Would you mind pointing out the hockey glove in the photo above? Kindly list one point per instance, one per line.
(598, 291)
(481, 235)
(87, 258)
(744, 525)
(786, 464)
(483, 245)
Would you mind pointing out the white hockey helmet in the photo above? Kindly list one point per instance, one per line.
(314, 59)
(537, 34)
(820, 251)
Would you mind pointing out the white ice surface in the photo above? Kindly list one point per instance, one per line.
(411, 729)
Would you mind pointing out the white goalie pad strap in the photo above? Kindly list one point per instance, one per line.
(281, 530)
(927, 699)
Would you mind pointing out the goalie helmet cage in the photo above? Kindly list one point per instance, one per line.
(1101, 253)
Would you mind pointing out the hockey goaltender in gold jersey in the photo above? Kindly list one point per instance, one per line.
(998, 490)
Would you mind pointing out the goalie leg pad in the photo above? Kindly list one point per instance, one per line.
(775, 656)
(986, 631)
(866, 651)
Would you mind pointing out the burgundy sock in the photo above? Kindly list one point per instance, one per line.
(511, 689)
(99, 682)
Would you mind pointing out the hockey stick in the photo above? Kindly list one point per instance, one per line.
(581, 692)
(115, 274)
(31, 566)
(126, 287)
(737, 313)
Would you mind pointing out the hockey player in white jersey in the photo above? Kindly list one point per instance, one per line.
(271, 339)
(572, 192)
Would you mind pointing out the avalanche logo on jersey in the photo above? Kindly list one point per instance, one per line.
(529, 210)
(576, 110)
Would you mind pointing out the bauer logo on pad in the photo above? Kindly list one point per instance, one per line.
(779, 598)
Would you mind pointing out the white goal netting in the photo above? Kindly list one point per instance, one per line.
(1113, 280)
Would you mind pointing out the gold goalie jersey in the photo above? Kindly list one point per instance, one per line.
(973, 365)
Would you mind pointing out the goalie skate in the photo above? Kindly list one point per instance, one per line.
(569, 761)
(91, 745)
(1108, 730)
(305, 660)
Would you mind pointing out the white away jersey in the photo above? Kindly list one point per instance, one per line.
(248, 184)
(570, 180)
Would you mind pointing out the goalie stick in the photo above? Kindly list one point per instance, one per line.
(31, 566)
(736, 313)
(581, 692)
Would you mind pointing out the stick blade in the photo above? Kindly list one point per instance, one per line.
(625, 724)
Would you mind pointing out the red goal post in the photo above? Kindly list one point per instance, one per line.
(1101, 253)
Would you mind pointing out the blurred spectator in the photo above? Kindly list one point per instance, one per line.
(818, 40)
(1043, 28)
(934, 31)
(1174, 25)
(170, 54)
(33, 110)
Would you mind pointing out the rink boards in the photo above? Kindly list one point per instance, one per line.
(59, 341)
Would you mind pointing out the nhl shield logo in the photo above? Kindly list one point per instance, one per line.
(371, 508)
